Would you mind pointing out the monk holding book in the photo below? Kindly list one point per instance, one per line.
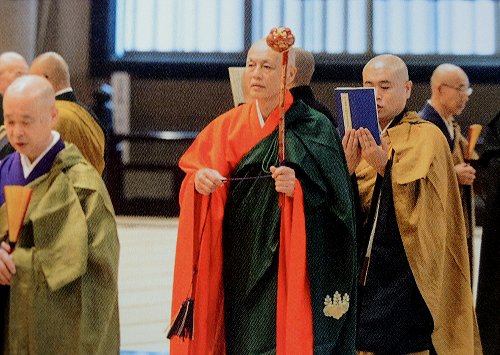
(63, 296)
(415, 281)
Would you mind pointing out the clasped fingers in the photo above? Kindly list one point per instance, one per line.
(7, 267)
(284, 179)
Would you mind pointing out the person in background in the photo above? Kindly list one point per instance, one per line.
(300, 87)
(416, 295)
(63, 296)
(488, 288)
(266, 279)
(450, 91)
(76, 123)
(12, 66)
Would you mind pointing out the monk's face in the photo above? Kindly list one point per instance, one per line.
(262, 73)
(392, 89)
(28, 121)
(454, 92)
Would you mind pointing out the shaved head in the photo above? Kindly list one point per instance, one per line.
(30, 114)
(388, 74)
(262, 75)
(262, 46)
(12, 66)
(304, 61)
(450, 90)
(389, 63)
(447, 72)
(32, 87)
(54, 68)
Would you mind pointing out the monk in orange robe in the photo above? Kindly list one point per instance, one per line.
(265, 279)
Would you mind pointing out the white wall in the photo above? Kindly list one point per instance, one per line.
(18, 26)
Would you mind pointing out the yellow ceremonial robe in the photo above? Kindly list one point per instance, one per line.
(426, 201)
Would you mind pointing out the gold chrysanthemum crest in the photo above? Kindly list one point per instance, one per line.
(336, 307)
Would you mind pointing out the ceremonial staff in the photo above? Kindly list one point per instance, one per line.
(281, 40)
(472, 137)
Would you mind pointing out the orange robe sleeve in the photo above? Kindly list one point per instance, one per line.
(294, 333)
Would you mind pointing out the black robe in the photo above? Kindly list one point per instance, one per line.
(306, 94)
(488, 292)
(392, 315)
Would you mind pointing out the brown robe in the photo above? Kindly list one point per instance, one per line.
(76, 125)
(426, 200)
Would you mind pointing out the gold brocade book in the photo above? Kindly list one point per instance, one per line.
(356, 107)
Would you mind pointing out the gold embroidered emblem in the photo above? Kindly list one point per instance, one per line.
(337, 306)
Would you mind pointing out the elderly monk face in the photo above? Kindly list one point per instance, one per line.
(389, 76)
(30, 114)
(262, 74)
(454, 91)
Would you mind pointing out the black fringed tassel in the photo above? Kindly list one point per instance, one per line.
(182, 326)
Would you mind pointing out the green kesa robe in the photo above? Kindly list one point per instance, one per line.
(245, 215)
(64, 297)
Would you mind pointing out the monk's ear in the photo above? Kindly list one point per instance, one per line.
(54, 116)
(408, 87)
(291, 72)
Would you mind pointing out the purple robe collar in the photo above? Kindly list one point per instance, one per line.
(11, 170)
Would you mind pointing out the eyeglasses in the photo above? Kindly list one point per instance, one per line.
(462, 90)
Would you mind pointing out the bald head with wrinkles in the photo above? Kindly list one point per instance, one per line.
(450, 90)
(30, 114)
(262, 75)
